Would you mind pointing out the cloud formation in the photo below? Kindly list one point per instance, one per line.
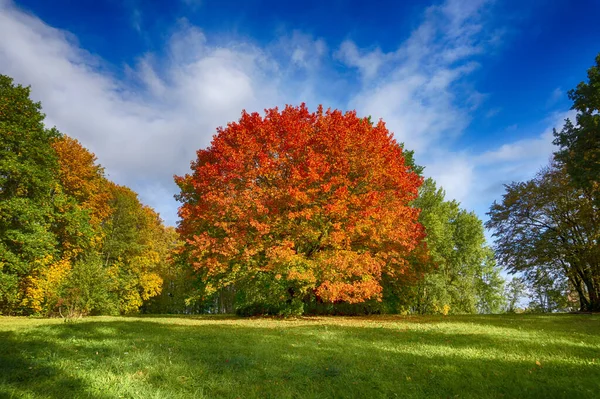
(146, 121)
(147, 127)
(417, 88)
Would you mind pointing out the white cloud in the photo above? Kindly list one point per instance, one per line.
(419, 91)
(368, 63)
(455, 173)
(529, 149)
(514, 161)
(417, 88)
(301, 49)
(414, 88)
(146, 126)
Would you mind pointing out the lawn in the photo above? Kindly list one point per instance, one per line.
(510, 356)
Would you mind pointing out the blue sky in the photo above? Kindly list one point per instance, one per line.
(474, 87)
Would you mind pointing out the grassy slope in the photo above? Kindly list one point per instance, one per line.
(152, 357)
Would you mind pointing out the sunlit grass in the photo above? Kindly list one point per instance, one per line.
(324, 357)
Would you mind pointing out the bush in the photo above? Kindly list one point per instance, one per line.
(87, 290)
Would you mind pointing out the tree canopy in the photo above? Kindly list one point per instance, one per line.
(548, 229)
(290, 212)
(303, 205)
(28, 195)
(460, 275)
(70, 240)
(580, 142)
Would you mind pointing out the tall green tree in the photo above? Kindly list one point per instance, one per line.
(461, 275)
(135, 249)
(546, 223)
(489, 285)
(515, 290)
(28, 189)
(69, 239)
(580, 142)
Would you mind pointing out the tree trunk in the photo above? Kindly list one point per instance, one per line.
(594, 304)
(593, 295)
(583, 300)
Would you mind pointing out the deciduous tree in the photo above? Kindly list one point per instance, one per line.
(546, 223)
(303, 205)
(82, 178)
(134, 249)
(460, 274)
(514, 292)
(580, 142)
(68, 237)
(27, 191)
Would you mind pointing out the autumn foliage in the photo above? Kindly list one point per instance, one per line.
(82, 178)
(286, 213)
(71, 241)
(315, 204)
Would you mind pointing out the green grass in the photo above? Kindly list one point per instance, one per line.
(324, 357)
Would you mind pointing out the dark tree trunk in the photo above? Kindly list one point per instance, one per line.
(594, 304)
(584, 303)
(224, 301)
(593, 295)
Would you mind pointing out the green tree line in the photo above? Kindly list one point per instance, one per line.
(71, 241)
(74, 243)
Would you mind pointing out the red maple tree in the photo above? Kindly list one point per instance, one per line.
(319, 201)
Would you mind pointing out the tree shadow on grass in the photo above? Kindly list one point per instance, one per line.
(289, 361)
(30, 367)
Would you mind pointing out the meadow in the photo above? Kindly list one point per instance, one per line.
(496, 356)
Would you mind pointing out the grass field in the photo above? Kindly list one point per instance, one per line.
(510, 356)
